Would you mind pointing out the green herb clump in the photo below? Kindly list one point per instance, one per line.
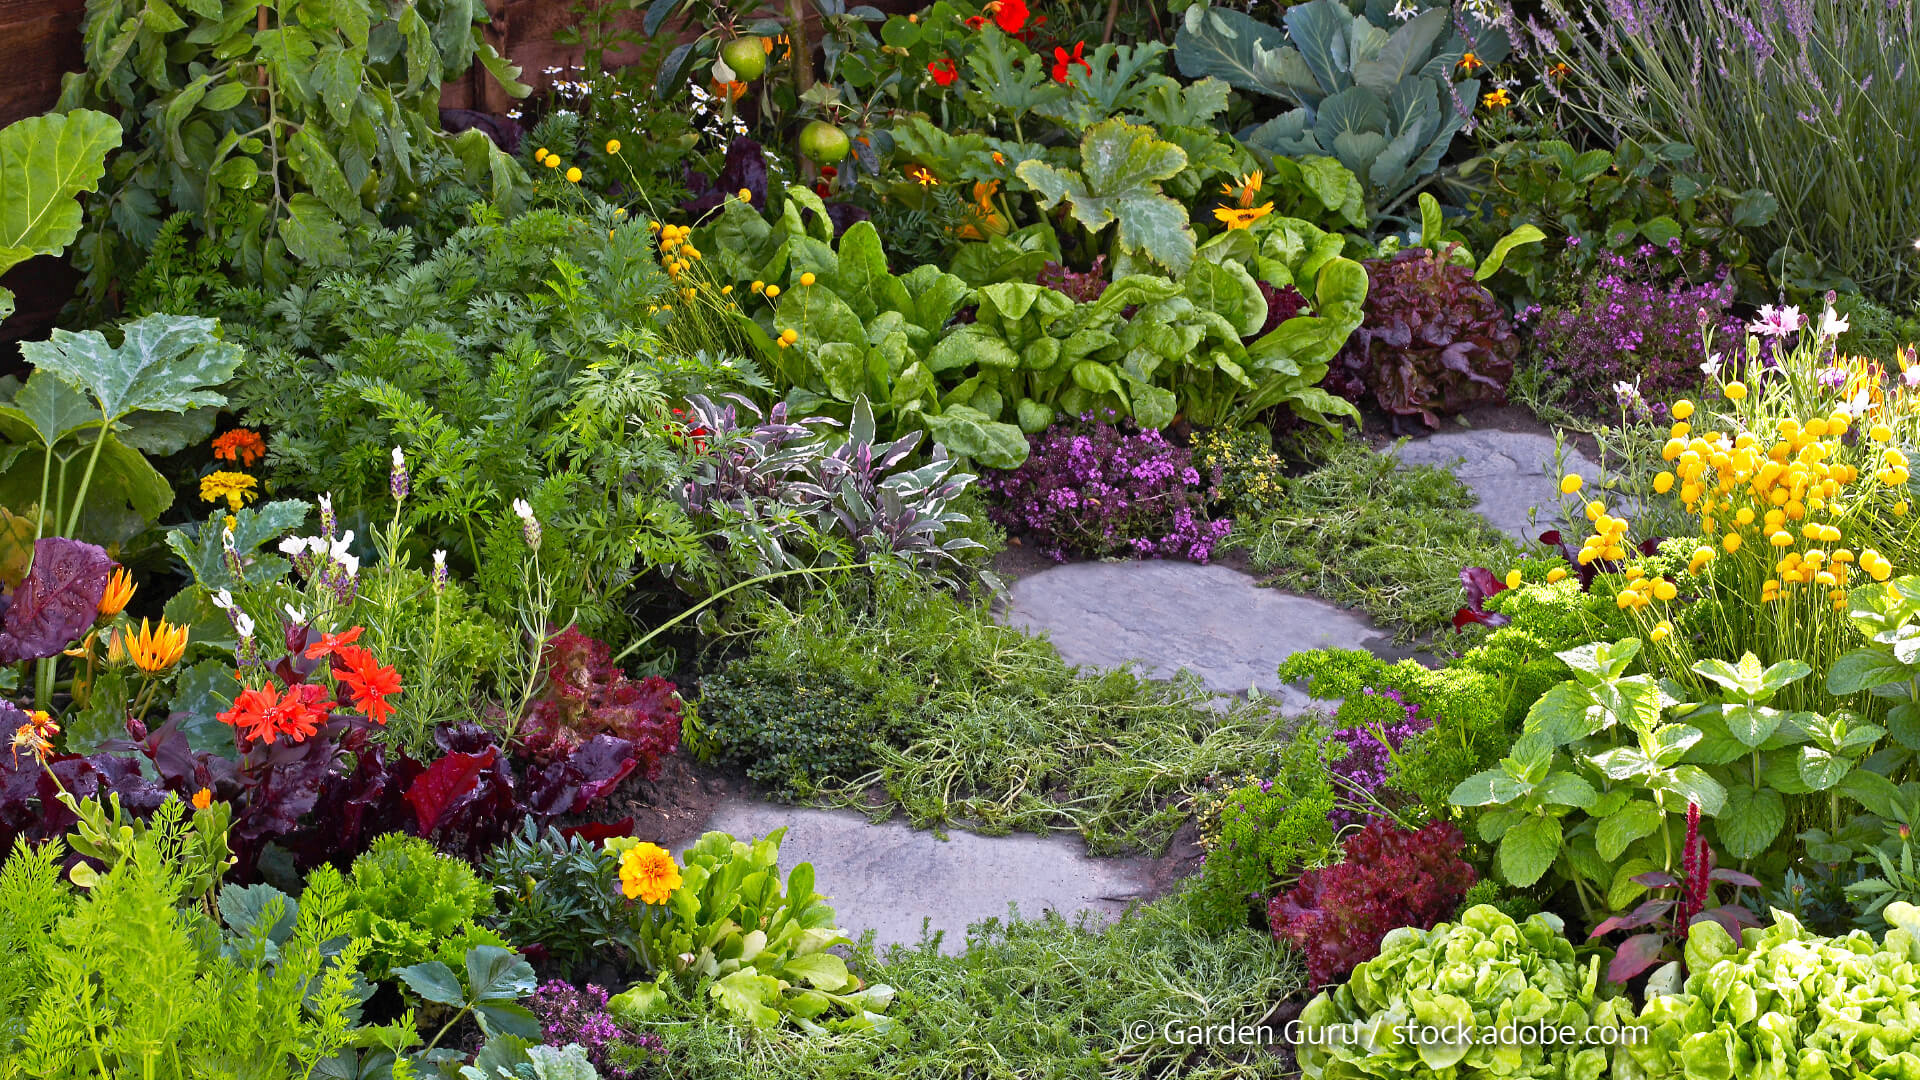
(790, 729)
(1260, 834)
(413, 904)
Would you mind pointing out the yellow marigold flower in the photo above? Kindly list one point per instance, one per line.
(807, 278)
(1682, 409)
(1570, 483)
(1498, 99)
(1663, 483)
(119, 590)
(203, 798)
(1513, 579)
(1661, 631)
(1558, 573)
(613, 146)
(1731, 542)
(237, 488)
(1736, 391)
(155, 649)
(648, 874)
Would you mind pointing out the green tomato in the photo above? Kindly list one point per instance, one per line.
(824, 143)
(747, 56)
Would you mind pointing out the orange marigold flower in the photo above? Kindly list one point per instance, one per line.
(241, 445)
(119, 590)
(1471, 63)
(648, 874)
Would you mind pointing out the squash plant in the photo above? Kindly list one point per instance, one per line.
(275, 126)
(44, 162)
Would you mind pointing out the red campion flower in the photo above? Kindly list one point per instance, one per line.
(944, 71)
(370, 683)
(1063, 62)
(329, 644)
(264, 714)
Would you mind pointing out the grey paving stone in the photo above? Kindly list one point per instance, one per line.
(1511, 472)
(889, 877)
(1211, 620)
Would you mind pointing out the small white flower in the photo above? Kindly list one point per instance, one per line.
(399, 459)
(226, 538)
(1832, 325)
(347, 560)
(244, 624)
(524, 509)
(439, 560)
(317, 545)
(326, 503)
(1405, 9)
(1711, 367)
(294, 614)
(223, 600)
(293, 545)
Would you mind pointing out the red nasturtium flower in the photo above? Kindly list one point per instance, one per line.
(944, 71)
(1009, 15)
(369, 682)
(1064, 61)
(264, 714)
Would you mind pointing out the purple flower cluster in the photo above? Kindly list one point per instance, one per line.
(1633, 324)
(571, 1015)
(1092, 488)
(1365, 767)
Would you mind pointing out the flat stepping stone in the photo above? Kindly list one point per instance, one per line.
(1164, 616)
(1511, 473)
(890, 877)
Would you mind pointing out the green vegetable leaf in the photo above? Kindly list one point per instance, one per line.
(1121, 166)
(1751, 820)
(45, 161)
(1528, 849)
(164, 364)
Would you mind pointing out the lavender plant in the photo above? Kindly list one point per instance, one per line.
(1094, 488)
(1812, 100)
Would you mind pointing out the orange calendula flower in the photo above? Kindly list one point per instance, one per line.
(203, 798)
(1246, 190)
(35, 736)
(240, 445)
(1471, 63)
(237, 488)
(1497, 99)
(155, 649)
(119, 590)
(1234, 217)
(648, 874)
(982, 218)
(731, 91)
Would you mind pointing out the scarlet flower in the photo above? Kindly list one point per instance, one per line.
(241, 445)
(330, 644)
(369, 682)
(944, 71)
(976, 22)
(263, 714)
(1009, 15)
(1063, 62)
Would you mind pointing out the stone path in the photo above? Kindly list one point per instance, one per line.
(1512, 473)
(1162, 616)
(891, 877)
(1212, 620)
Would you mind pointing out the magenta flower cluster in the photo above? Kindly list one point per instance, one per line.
(570, 1014)
(1091, 487)
(1632, 323)
(1359, 775)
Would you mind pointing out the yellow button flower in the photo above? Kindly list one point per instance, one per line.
(1661, 631)
(1682, 409)
(807, 278)
(1570, 483)
(773, 291)
(1731, 542)
(613, 146)
(1663, 483)
(1735, 391)
(1558, 573)
(1513, 579)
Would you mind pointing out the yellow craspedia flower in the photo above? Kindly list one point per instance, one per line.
(759, 286)
(1661, 631)
(1663, 483)
(648, 874)
(1570, 483)
(1595, 509)
(541, 154)
(1781, 539)
(745, 195)
(1558, 573)
(1736, 391)
(613, 146)
(1513, 579)
(1680, 430)
(553, 161)
(1665, 590)
(1900, 508)
(789, 335)
(773, 291)
(1880, 433)
(573, 175)
(1682, 409)
(807, 278)
(1731, 542)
